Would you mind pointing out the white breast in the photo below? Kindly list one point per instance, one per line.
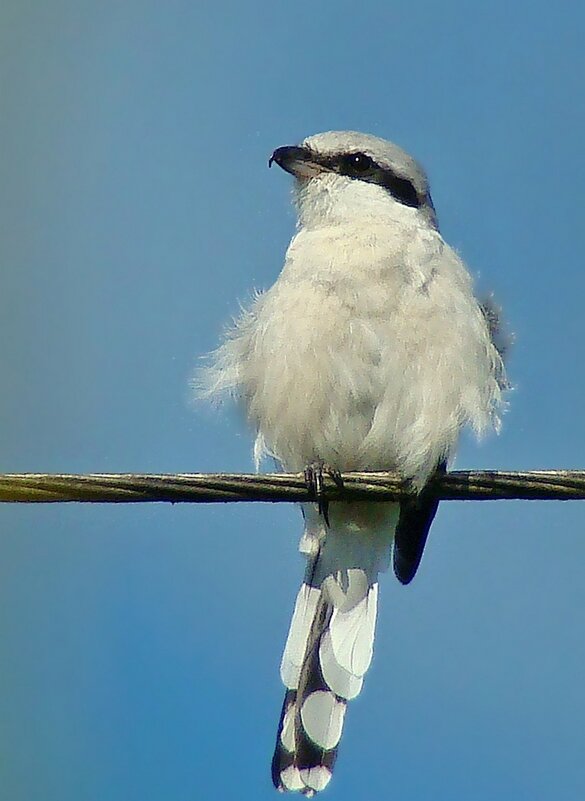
(369, 352)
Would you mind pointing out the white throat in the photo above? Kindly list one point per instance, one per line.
(332, 199)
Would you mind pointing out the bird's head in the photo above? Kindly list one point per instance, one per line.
(343, 175)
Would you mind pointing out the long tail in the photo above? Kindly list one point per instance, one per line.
(331, 638)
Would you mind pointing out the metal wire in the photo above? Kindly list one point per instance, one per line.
(461, 485)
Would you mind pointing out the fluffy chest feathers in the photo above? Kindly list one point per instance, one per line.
(369, 352)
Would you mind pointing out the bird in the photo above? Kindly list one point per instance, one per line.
(370, 352)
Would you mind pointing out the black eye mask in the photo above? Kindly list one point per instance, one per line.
(362, 167)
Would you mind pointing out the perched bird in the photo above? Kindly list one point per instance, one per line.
(370, 352)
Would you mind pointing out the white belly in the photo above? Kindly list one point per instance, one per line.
(367, 364)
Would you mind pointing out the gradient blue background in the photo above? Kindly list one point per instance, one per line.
(139, 646)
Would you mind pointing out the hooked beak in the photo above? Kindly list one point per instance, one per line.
(299, 161)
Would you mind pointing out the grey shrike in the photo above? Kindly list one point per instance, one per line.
(370, 352)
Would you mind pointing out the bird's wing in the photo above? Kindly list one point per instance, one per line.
(416, 517)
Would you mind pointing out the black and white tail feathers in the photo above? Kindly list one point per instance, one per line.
(331, 638)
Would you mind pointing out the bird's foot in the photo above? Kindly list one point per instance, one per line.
(314, 473)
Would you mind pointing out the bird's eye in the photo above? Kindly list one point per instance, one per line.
(355, 163)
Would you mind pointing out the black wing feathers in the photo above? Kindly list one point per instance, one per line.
(416, 516)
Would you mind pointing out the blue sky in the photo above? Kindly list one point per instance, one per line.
(139, 646)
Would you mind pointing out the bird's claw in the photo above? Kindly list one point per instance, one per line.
(314, 473)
